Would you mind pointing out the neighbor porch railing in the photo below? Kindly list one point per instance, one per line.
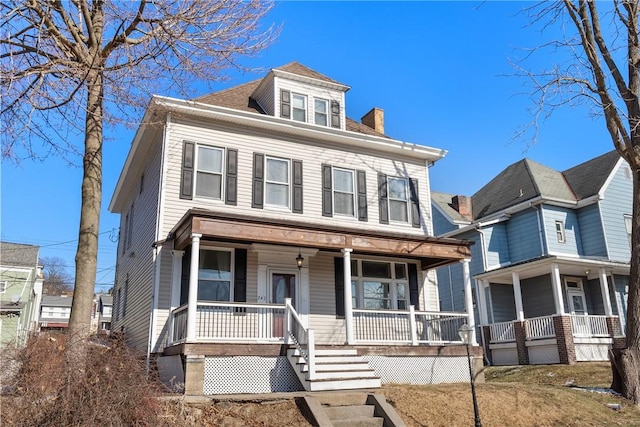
(502, 332)
(406, 327)
(541, 327)
(589, 326)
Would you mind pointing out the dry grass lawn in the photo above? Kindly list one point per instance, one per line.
(511, 396)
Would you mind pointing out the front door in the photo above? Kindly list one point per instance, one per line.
(577, 301)
(283, 285)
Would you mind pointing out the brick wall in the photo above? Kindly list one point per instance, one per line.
(520, 329)
(564, 338)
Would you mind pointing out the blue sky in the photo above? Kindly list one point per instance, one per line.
(439, 70)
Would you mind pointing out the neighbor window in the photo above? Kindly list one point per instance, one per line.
(3, 286)
(214, 275)
(209, 164)
(398, 199)
(276, 182)
(299, 107)
(379, 285)
(560, 231)
(343, 192)
(627, 226)
(320, 112)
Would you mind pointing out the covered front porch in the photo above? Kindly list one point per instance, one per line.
(286, 297)
(552, 310)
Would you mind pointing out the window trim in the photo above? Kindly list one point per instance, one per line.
(560, 233)
(353, 193)
(406, 201)
(232, 265)
(628, 226)
(305, 109)
(197, 171)
(326, 113)
(289, 162)
(393, 282)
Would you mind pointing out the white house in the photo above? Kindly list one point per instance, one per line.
(242, 213)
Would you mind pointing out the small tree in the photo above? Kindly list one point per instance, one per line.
(57, 279)
(69, 68)
(603, 70)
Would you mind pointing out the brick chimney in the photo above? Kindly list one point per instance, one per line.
(462, 204)
(374, 119)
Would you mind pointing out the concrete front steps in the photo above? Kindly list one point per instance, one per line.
(349, 409)
(340, 369)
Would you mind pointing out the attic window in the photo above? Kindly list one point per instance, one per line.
(299, 107)
(560, 231)
(320, 111)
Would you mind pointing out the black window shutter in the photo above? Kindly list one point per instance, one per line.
(362, 195)
(327, 196)
(335, 114)
(339, 276)
(285, 104)
(257, 200)
(383, 200)
(232, 177)
(297, 186)
(186, 184)
(415, 203)
(414, 292)
(240, 276)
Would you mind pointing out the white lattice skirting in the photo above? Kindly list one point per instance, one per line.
(592, 352)
(419, 370)
(249, 374)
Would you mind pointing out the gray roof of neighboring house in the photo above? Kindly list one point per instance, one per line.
(527, 180)
(56, 301)
(239, 97)
(588, 178)
(106, 299)
(443, 200)
(18, 255)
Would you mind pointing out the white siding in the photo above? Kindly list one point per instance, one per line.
(264, 97)
(312, 153)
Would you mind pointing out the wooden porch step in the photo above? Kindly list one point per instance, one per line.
(345, 366)
(368, 373)
(343, 384)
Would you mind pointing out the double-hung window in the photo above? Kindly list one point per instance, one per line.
(214, 275)
(209, 172)
(299, 107)
(398, 199)
(276, 185)
(560, 232)
(379, 285)
(344, 197)
(321, 112)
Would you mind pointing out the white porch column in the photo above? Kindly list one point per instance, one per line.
(192, 308)
(348, 305)
(517, 295)
(556, 284)
(176, 277)
(604, 288)
(468, 300)
(482, 302)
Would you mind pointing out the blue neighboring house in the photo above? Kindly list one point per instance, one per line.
(550, 262)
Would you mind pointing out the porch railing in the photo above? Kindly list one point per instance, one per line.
(541, 327)
(302, 338)
(406, 327)
(502, 332)
(230, 321)
(589, 326)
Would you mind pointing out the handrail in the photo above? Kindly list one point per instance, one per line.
(303, 338)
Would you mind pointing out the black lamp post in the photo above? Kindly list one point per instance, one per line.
(465, 332)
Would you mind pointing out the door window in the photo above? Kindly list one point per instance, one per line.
(283, 285)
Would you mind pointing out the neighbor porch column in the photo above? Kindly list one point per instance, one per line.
(176, 277)
(604, 288)
(348, 305)
(192, 308)
(468, 299)
(481, 302)
(556, 284)
(517, 295)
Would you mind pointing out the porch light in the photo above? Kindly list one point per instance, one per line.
(465, 335)
(299, 260)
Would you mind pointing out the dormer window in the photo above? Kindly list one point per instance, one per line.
(320, 111)
(299, 107)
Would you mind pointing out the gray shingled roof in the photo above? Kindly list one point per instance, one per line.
(106, 299)
(519, 182)
(588, 178)
(18, 255)
(56, 301)
(443, 200)
(239, 97)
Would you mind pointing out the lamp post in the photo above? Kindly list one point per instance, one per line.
(465, 332)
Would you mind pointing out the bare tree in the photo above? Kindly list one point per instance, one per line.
(69, 68)
(603, 70)
(57, 280)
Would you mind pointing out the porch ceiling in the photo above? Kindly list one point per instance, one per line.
(431, 251)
